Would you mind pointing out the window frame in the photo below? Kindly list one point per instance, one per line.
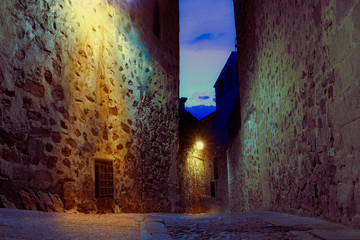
(104, 178)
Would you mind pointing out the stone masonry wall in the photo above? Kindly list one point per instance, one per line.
(84, 80)
(298, 147)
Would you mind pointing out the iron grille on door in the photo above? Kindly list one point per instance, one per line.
(104, 183)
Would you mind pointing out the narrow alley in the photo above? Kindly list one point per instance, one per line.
(98, 140)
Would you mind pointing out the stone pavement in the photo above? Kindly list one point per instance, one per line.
(20, 224)
(255, 225)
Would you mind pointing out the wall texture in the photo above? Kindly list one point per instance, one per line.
(85, 80)
(215, 166)
(298, 147)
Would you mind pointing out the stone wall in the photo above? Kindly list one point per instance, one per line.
(298, 146)
(85, 80)
(215, 168)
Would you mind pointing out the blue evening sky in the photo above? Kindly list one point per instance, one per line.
(207, 37)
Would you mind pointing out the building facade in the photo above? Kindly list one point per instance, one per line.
(89, 103)
(227, 100)
(297, 148)
(221, 130)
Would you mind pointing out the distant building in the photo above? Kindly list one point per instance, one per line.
(227, 101)
(215, 167)
(209, 183)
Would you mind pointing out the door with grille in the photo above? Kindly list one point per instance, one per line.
(104, 185)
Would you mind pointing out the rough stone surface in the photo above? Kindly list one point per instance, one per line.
(81, 81)
(297, 149)
(20, 224)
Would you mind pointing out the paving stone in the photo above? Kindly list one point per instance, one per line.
(21, 224)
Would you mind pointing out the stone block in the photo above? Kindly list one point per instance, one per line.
(49, 147)
(56, 137)
(71, 142)
(66, 151)
(66, 162)
(48, 76)
(113, 111)
(125, 127)
(87, 207)
(68, 204)
(28, 200)
(87, 147)
(36, 89)
(58, 205)
(58, 93)
(10, 154)
(4, 203)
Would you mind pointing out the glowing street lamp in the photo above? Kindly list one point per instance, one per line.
(199, 145)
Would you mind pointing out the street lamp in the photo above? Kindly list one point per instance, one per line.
(198, 171)
(199, 145)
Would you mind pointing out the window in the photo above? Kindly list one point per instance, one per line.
(104, 183)
(156, 26)
(228, 80)
(212, 189)
(220, 88)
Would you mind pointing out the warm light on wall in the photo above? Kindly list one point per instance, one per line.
(194, 175)
(199, 145)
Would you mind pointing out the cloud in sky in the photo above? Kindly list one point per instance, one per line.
(205, 37)
(199, 71)
(207, 19)
(203, 97)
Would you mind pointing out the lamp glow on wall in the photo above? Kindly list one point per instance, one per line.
(195, 170)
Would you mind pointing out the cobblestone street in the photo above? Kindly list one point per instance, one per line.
(230, 227)
(20, 224)
(255, 225)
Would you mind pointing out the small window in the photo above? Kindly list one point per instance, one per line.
(104, 182)
(156, 26)
(212, 189)
(220, 88)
